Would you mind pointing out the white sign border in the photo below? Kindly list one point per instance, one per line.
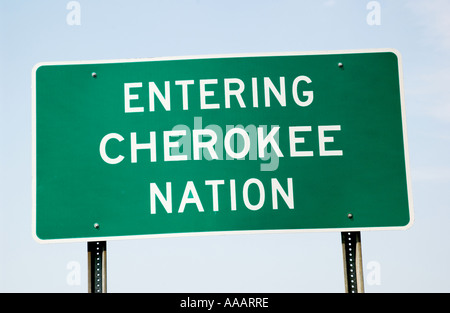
(231, 232)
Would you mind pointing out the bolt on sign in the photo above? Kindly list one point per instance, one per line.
(219, 144)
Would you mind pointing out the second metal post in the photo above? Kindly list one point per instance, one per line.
(352, 256)
(96, 266)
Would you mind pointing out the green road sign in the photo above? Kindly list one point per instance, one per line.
(176, 146)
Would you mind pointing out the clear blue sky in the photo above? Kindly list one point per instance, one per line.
(415, 260)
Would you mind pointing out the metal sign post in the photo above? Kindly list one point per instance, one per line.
(96, 266)
(352, 257)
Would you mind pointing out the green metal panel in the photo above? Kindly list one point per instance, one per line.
(75, 188)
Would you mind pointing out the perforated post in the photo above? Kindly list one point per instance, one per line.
(353, 269)
(96, 267)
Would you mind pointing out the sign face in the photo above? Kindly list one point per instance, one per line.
(177, 146)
